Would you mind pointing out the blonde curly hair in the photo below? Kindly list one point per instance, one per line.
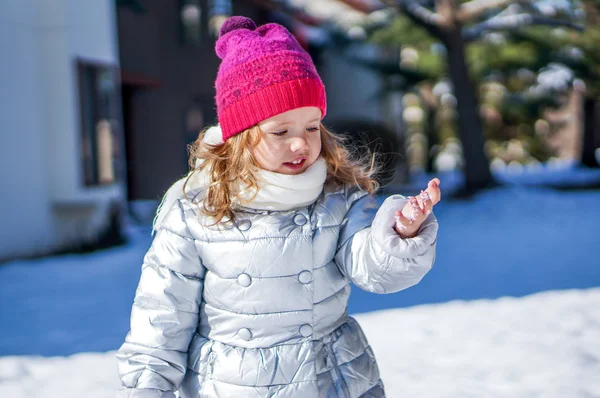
(232, 165)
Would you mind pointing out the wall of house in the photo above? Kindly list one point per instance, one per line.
(84, 30)
(24, 217)
(46, 205)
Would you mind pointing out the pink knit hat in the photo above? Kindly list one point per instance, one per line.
(263, 72)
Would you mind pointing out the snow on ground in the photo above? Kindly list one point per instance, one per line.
(543, 345)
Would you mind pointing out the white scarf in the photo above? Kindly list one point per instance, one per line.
(278, 192)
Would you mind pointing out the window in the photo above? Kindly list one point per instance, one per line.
(191, 21)
(100, 122)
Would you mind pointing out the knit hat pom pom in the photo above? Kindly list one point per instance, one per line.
(236, 22)
(232, 24)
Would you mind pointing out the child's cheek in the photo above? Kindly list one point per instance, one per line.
(279, 149)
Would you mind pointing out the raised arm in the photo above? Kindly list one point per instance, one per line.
(373, 255)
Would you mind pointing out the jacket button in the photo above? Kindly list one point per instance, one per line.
(305, 277)
(299, 219)
(244, 280)
(245, 334)
(306, 330)
(244, 225)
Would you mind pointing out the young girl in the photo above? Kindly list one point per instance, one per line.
(244, 291)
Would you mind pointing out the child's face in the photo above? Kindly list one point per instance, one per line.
(291, 141)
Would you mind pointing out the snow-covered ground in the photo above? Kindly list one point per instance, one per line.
(61, 318)
(543, 345)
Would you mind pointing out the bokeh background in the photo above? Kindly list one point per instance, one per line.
(498, 99)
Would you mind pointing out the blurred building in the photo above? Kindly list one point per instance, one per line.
(61, 132)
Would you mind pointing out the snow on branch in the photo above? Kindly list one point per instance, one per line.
(424, 14)
(474, 8)
(421, 15)
(512, 22)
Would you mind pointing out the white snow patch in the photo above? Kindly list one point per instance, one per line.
(543, 345)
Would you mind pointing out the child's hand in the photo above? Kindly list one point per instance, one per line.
(412, 215)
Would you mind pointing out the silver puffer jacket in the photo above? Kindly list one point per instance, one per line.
(259, 308)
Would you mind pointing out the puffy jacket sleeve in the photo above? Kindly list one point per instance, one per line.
(164, 317)
(374, 256)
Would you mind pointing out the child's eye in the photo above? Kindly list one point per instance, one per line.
(280, 133)
(313, 129)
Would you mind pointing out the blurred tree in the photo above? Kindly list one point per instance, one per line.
(579, 52)
(453, 24)
(401, 79)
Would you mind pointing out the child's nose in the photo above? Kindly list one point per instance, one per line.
(299, 144)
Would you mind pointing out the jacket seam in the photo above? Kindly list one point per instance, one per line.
(151, 347)
(364, 351)
(263, 237)
(377, 384)
(257, 277)
(187, 227)
(182, 211)
(301, 342)
(148, 388)
(197, 278)
(323, 266)
(256, 386)
(162, 307)
(334, 294)
(267, 277)
(338, 365)
(303, 235)
(254, 314)
(326, 227)
(189, 238)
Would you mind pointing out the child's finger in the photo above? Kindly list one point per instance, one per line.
(421, 201)
(401, 220)
(427, 204)
(403, 225)
(433, 190)
(416, 208)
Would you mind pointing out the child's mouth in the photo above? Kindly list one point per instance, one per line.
(295, 165)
